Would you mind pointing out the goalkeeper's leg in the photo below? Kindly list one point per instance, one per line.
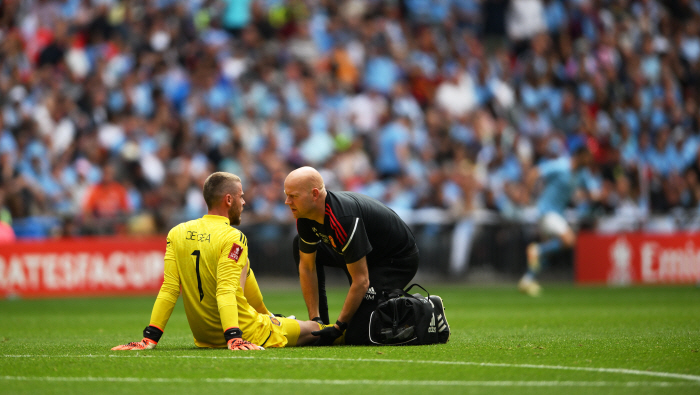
(298, 333)
(307, 339)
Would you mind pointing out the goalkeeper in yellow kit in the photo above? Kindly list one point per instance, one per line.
(208, 258)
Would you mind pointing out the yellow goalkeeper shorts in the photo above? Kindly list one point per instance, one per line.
(284, 332)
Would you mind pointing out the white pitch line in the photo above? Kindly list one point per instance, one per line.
(456, 363)
(353, 382)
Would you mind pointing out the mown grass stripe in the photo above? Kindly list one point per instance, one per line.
(353, 382)
(458, 363)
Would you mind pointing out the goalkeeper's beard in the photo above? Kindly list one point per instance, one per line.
(234, 215)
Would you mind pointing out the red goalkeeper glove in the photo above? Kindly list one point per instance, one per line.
(234, 339)
(151, 336)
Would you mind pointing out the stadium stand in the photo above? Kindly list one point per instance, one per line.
(436, 108)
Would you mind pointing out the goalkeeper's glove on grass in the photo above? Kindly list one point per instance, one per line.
(234, 339)
(327, 335)
(151, 336)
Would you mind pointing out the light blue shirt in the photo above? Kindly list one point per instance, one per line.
(665, 161)
(237, 13)
(555, 15)
(381, 73)
(391, 137)
(9, 145)
(560, 182)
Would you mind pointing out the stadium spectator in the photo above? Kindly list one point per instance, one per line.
(106, 202)
(7, 234)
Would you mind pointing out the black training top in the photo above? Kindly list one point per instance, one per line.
(356, 225)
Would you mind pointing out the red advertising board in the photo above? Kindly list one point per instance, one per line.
(638, 258)
(81, 266)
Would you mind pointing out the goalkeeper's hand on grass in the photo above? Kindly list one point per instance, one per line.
(151, 336)
(234, 339)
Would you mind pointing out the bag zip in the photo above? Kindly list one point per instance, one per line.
(396, 318)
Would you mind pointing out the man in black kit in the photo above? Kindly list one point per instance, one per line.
(359, 234)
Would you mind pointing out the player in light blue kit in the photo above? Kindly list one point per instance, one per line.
(560, 179)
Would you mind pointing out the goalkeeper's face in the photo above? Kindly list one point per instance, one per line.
(236, 209)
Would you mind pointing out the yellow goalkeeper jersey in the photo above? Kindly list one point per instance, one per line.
(209, 259)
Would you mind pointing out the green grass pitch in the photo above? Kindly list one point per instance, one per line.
(573, 340)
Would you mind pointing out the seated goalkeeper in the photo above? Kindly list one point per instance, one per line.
(208, 258)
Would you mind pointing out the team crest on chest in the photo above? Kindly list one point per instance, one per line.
(321, 236)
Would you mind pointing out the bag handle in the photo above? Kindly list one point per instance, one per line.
(400, 292)
(416, 285)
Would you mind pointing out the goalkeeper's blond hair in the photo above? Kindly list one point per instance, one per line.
(219, 184)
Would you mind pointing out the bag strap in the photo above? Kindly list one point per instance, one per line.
(416, 285)
(402, 293)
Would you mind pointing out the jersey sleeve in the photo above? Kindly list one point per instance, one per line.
(352, 235)
(308, 240)
(171, 277)
(170, 290)
(233, 258)
(253, 294)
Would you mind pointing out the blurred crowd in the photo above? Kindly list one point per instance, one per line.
(112, 113)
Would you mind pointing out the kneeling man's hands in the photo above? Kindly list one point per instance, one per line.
(328, 334)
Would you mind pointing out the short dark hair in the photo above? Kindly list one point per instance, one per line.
(217, 185)
(581, 150)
